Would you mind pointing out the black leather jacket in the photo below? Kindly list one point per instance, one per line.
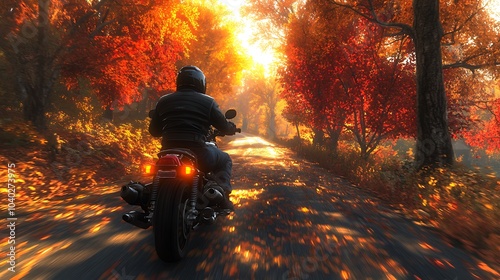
(186, 115)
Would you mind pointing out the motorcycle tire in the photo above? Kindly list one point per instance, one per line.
(171, 231)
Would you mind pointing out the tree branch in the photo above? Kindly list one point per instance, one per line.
(472, 67)
(468, 19)
(405, 29)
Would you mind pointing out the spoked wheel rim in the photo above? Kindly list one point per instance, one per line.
(170, 221)
(182, 227)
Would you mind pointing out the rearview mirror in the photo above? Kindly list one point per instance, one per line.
(230, 114)
(151, 113)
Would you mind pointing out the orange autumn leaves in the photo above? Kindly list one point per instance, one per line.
(117, 50)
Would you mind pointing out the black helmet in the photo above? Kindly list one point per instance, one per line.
(191, 77)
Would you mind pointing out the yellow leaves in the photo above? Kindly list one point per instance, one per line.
(32, 188)
(304, 210)
(65, 215)
(99, 226)
(488, 206)
(344, 274)
(432, 181)
(95, 229)
(451, 186)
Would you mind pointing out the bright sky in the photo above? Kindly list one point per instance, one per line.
(494, 6)
(259, 54)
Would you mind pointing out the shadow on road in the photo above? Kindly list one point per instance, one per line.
(293, 221)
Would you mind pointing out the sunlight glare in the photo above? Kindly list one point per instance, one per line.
(260, 54)
(494, 8)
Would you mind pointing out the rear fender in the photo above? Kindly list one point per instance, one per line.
(171, 166)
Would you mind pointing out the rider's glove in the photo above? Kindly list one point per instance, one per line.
(232, 129)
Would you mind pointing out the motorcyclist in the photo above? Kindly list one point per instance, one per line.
(183, 119)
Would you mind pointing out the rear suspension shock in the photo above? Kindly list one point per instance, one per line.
(192, 212)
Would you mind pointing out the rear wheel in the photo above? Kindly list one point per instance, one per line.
(169, 220)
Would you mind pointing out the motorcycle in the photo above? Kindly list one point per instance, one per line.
(179, 199)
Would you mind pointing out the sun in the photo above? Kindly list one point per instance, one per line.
(259, 54)
(262, 55)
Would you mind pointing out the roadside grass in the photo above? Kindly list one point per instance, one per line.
(463, 203)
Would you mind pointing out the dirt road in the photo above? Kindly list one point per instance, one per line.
(293, 220)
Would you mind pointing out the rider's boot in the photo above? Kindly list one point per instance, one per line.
(227, 203)
(225, 189)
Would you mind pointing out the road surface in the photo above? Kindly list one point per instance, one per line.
(293, 220)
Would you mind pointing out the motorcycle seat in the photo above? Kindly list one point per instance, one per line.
(179, 151)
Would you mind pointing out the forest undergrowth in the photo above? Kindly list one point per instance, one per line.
(73, 156)
(463, 203)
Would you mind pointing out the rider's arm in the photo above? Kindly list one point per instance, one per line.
(219, 121)
(155, 127)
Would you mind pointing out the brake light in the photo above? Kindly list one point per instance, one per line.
(187, 170)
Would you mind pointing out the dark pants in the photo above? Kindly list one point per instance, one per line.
(210, 159)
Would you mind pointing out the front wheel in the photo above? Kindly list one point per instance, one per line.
(171, 231)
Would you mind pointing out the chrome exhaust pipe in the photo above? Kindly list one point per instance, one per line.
(135, 193)
(214, 195)
(130, 195)
(137, 219)
(208, 215)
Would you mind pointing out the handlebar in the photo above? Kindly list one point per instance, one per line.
(219, 133)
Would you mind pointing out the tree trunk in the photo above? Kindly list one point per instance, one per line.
(271, 127)
(38, 85)
(433, 137)
(334, 139)
(244, 123)
(299, 140)
(108, 113)
(318, 138)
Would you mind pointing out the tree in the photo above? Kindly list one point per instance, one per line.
(433, 136)
(348, 80)
(272, 16)
(118, 46)
(28, 48)
(485, 111)
(309, 76)
(296, 110)
(133, 57)
(264, 96)
(384, 92)
(215, 49)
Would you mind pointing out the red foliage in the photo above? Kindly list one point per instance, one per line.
(122, 60)
(346, 81)
(487, 134)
